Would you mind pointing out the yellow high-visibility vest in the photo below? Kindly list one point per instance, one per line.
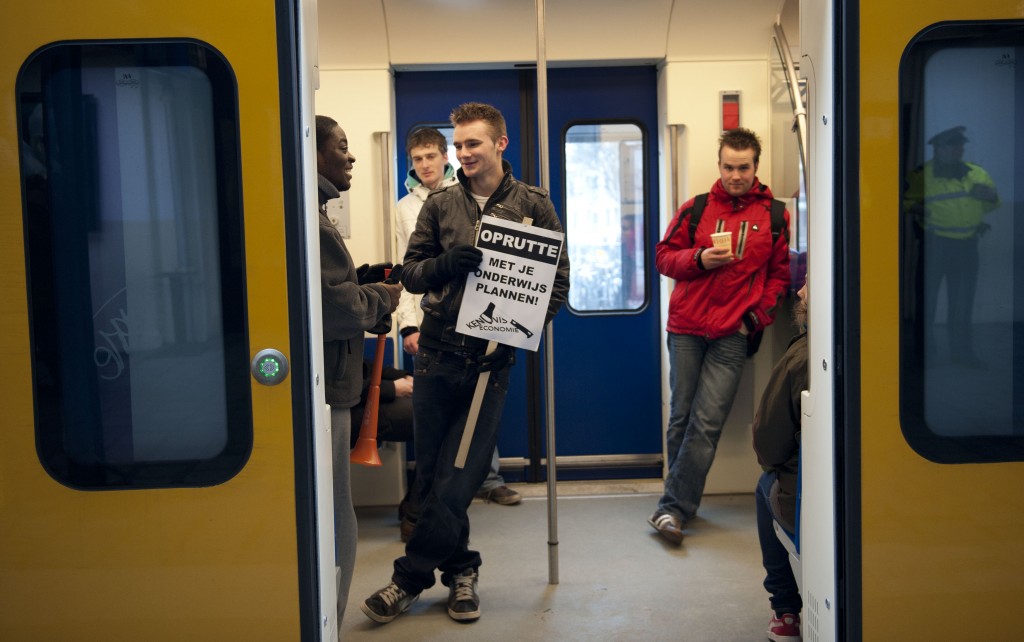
(949, 208)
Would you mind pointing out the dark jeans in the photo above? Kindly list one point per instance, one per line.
(778, 579)
(394, 421)
(445, 382)
(954, 261)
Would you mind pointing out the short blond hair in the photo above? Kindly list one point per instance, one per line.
(468, 112)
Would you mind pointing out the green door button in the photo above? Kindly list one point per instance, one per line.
(269, 367)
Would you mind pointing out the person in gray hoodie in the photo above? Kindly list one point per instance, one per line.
(354, 301)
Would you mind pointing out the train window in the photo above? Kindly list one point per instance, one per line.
(962, 243)
(133, 234)
(605, 220)
(449, 135)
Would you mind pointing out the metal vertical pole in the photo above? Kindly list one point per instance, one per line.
(384, 143)
(549, 339)
(384, 139)
(673, 151)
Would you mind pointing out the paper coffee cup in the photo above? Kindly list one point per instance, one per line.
(722, 240)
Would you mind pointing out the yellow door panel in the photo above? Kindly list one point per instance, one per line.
(199, 561)
(942, 543)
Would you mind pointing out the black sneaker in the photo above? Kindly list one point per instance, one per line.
(463, 601)
(387, 603)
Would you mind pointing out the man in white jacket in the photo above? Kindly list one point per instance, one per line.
(427, 149)
(428, 153)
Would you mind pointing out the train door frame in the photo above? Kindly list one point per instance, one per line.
(290, 412)
(650, 464)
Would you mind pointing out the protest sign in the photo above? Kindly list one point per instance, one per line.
(506, 298)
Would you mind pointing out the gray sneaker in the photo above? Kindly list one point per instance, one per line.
(463, 600)
(387, 603)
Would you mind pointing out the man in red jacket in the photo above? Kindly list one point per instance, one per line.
(723, 296)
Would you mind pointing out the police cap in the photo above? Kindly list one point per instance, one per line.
(951, 136)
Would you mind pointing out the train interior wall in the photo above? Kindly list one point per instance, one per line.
(362, 100)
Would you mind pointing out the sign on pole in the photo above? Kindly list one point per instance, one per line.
(506, 298)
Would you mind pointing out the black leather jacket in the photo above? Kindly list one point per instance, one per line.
(449, 218)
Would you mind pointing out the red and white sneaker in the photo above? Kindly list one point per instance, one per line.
(785, 628)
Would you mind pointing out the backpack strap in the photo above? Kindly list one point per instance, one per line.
(699, 202)
(778, 221)
(778, 215)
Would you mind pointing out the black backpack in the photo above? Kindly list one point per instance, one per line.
(778, 227)
(778, 217)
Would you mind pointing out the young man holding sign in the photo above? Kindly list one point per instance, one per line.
(442, 252)
(427, 149)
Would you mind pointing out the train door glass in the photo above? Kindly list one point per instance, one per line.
(962, 244)
(133, 225)
(604, 208)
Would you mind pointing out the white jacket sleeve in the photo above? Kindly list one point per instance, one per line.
(408, 313)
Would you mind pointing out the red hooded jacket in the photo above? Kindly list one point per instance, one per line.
(713, 303)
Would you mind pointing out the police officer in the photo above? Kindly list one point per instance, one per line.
(949, 198)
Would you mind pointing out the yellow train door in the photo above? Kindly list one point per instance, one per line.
(156, 464)
(941, 365)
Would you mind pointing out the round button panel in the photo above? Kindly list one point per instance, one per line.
(269, 367)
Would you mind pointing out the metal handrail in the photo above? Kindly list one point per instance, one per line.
(796, 100)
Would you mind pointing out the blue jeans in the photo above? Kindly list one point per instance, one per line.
(494, 478)
(778, 579)
(704, 376)
(445, 382)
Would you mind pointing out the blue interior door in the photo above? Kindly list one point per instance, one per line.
(607, 368)
(602, 126)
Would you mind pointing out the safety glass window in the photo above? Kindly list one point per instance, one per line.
(962, 243)
(133, 232)
(605, 217)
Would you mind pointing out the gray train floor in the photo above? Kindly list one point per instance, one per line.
(617, 579)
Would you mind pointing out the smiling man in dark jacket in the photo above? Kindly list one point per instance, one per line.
(441, 253)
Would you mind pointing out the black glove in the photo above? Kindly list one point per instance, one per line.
(396, 274)
(383, 326)
(457, 261)
(367, 273)
(502, 357)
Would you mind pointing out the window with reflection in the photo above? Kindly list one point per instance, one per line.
(962, 243)
(133, 235)
(605, 217)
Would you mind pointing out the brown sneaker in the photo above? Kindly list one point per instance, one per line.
(501, 495)
(668, 526)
